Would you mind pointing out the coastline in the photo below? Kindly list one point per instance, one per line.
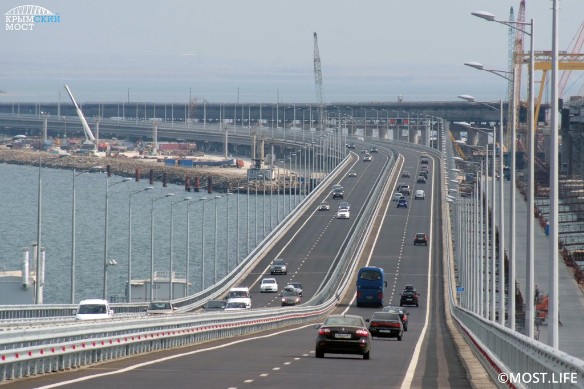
(222, 178)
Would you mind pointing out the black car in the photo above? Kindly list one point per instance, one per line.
(338, 194)
(409, 297)
(351, 146)
(421, 180)
(421, 238)
(343, 334)
(373, 150)
(402, 312)
(386, 324)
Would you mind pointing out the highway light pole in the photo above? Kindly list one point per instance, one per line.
(130, 195)
(215, 241)
(509, 76)
(500, 207)
(531, 122)
(152, 201)
(486, 243)
(73, 236)
(204, 200)
(106, 261)
(171, 267)
(553, 335)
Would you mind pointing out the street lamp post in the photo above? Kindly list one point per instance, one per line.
(171, 267)
(500, 208)
(73, 236)
(130, 195)
(188, 254)
(153, 200)
(530, 252)
(106, 261)
(204, 200)
(215, 241)
(485, 242)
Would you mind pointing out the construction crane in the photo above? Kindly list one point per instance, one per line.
(90, 141)
(543, 62)
(457, 146)
(576, 45)
(318, 82)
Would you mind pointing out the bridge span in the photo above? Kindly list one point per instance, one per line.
(323, 253)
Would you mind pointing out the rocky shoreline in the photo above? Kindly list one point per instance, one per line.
(222, 179)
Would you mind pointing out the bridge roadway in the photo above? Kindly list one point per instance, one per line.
(285, 358)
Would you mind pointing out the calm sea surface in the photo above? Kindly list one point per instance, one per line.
(18, 228)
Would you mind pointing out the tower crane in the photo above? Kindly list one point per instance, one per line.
(318, 82)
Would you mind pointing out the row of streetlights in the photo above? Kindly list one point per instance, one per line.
(522, 27)
(295, 196)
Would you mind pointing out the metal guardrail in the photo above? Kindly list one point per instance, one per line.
(511, 358)
(32, 351)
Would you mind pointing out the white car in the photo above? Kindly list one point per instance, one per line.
(160, 308)
(367, 158)
(343, 214)
(269, 285)
(397, 196)
(93, 309)
(239, 294)
(236, 305)
(419, 195)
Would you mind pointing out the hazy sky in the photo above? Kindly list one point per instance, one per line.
(371, 50)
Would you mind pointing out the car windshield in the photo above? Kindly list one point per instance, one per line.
(237, 293)
(397, 310)
(344, 321)
(269, 281)
(408, 293)
(385, 316)
(278, 262)
(235, 305)
(159, 306)
(289, 293)
(371, 275)
(92, 309)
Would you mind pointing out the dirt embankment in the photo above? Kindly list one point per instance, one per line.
(222, 178)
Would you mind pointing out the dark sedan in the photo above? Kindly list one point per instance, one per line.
(386, 324)
(402, 312)
(343, 334)
(409, 297)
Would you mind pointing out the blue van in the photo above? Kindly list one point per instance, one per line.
(370, 284)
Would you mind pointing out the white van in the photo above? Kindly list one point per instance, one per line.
(93, 309)
(240, 294)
